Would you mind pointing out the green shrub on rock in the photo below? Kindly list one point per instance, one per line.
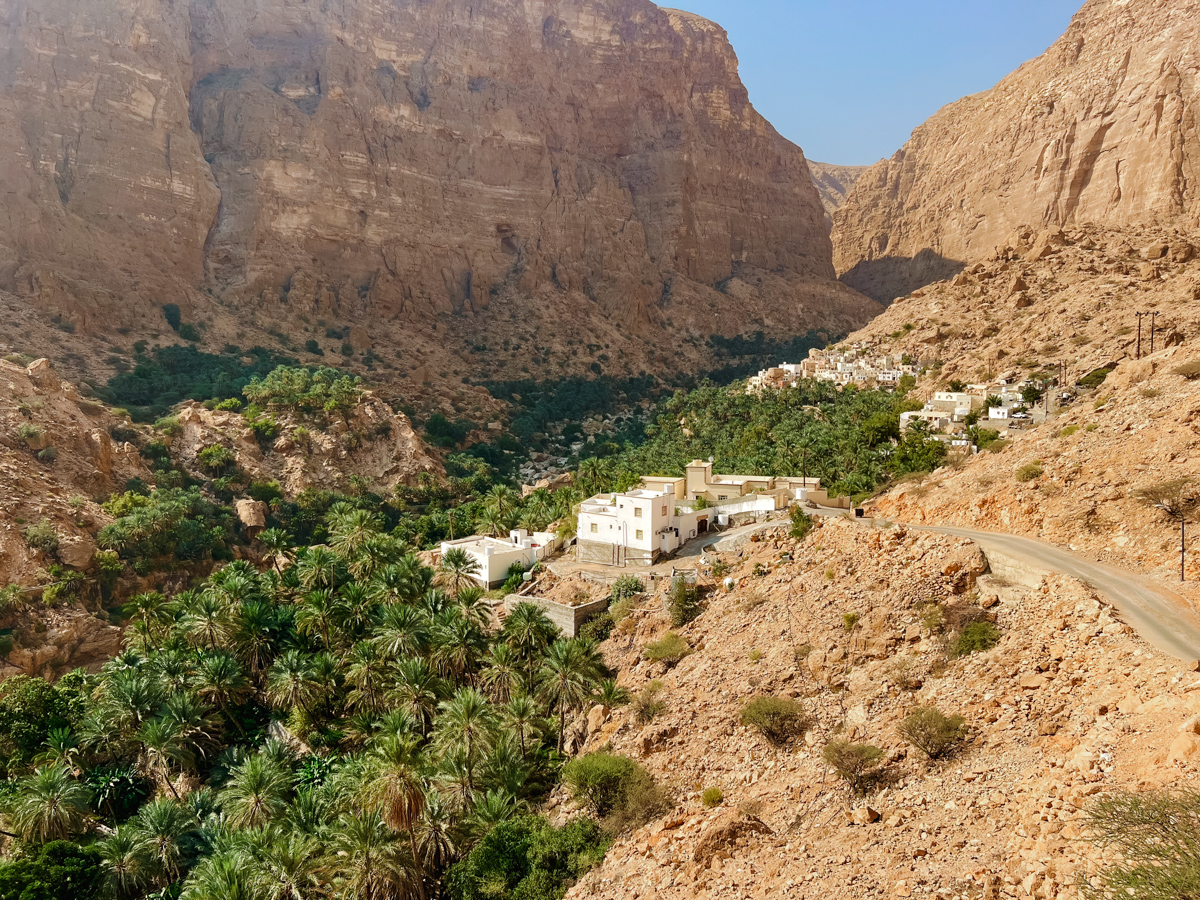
(779, 719)
(932, 732)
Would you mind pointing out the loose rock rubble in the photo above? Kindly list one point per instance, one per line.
(1070, 704)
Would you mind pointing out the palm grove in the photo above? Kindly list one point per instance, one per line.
(341, 721)
(421, 732)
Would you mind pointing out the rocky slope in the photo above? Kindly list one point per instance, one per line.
(1068, 705)
(441, 172)
(834, 184)
(1066, 297)
(1100, 129)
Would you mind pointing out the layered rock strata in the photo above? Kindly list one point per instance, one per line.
(1101, 129)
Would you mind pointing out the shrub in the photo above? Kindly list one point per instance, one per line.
(712, 797)
(1189, 370)
(216, 458)
(1068, 431)
(931, 732)
(527, 859)
(312, 346)
(189, 332)
(975, 638)
(42, 537)
(683, 602)
(29, 433)
(57, 869)
(1154, 838)
(625, 587)
(173, 315)
(317, 393)
(265, 430)
(603, 782)
(598, 628)
(648, 705)
(1029, 471)
(233, 404)
(849, 620)
(169, 425)
(670, 650)
(802, 523)
(720, 568)
(857, 764)
(1095, 378)
(779, 719)
(49, 455)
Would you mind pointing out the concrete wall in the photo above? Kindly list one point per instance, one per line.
(569, 619)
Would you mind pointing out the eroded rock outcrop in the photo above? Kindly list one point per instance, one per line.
(1100, 129)
(397, 162)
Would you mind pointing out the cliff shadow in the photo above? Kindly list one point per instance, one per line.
(885, 279)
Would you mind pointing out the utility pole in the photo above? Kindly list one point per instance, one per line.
(1139, 342)
(1153, 319)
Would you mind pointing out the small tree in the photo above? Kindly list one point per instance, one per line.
(1177, 499)
(933, 733)
(802, 523)
(683, 602)
(670, 650)
(975, 638)
(857, 764)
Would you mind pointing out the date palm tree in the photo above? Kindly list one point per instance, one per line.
(162, 748)
(529, 632)
(570, 674)
(221, 681)
(281, 547)
(417, 690)
(457, 644)
(457, 570)
(368, 858)
(127, 863)
(317, 569)
(522, 716)
(161, 826)
(318, 614)
(395, 782)
(402, 632)
(256, 793)
(292, 682)
(208, 620)
(48, 805)
(349, 531)
(501, 673)
(368, 673)
(466, 723)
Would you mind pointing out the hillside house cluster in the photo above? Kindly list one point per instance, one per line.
(642, 526)
(859, 365)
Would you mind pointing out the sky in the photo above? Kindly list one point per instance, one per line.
(848, 80)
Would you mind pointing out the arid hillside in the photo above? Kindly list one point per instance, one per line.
(855, 623)
(1101, 129)
(445, 176)
(1066, 298)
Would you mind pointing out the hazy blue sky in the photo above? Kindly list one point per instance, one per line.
(848, 80)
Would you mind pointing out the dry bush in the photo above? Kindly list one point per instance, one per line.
(1029, 471)
(902, 672)
(670, 650)
(1189, 370)
(933, 733)
(857, 764)
(1155, 839)
(648, 705)
(779, 719)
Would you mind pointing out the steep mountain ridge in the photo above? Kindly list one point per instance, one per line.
(1100, 129)
(397, 165)
(834, 184)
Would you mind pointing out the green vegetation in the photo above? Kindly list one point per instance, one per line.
(615, 789)
(55, 871)
(932, 732)
(1151, 845)
(1029, 471)
(172, 524)
(976, 637)
(431, 738)
(1069, 431)
(670, 650)
(42, 537)
(170, 375)
(1189, 370)
(779, 719)
(683, 602)
(173, 315)
(857, 764)
(648, 704)
(1095, 378)
(528, 859)
(802, 524)
(712, 797)
(316, 393)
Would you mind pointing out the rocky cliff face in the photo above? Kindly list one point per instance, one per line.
(1100, 129)
(834, 184)
(395, 162)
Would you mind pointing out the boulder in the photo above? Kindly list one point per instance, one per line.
(252, 514)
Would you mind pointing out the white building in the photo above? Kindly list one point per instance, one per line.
(496, 556)
(637, 528)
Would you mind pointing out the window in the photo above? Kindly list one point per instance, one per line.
(637, 512)
(595, 528)
(639, 534)
(722, 497)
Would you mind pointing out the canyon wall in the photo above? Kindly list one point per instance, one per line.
(1101, 129)
(405, 159)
